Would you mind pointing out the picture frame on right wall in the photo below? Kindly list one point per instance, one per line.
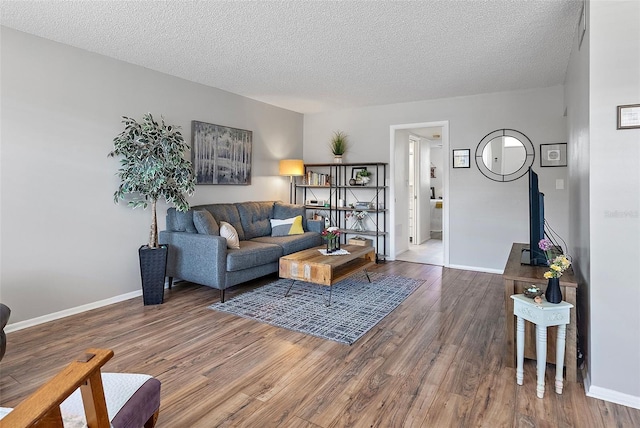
(629, 116)
(553, 154)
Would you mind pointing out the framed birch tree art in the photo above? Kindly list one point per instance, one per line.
(220, 154)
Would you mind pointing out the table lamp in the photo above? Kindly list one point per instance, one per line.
(292, 168)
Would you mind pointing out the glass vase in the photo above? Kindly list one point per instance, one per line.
(331, 244)
(358, 226)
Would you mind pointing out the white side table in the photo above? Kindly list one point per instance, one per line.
(543, 315)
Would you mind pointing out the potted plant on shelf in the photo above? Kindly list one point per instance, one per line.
(338, 145)
(152, 167)
(363, 177)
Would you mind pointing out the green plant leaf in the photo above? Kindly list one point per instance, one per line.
(152, 164)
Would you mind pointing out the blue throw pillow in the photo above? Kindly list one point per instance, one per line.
(205, 223)
(283, 211)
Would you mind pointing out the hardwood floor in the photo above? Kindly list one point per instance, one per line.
(436, 361)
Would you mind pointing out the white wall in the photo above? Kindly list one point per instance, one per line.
(486, 217)
(64, 242)
(578, 157)
(612, 183)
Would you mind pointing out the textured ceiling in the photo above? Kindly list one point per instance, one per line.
(310, 56)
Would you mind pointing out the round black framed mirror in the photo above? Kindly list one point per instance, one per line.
(504, 155)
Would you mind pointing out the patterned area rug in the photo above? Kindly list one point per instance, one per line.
(356, 305)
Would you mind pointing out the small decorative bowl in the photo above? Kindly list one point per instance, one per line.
(532, 292)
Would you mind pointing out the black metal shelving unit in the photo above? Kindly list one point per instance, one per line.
(337, 187)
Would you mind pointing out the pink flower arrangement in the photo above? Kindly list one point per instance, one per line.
(331, 232)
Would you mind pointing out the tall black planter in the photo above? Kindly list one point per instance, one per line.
(553, 293)
(153, 266)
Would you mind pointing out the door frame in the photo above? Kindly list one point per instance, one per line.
(446, 160)
(416, 172)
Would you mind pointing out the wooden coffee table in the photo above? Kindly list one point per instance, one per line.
(312, 266)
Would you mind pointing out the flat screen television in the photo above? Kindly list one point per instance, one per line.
(534, 256)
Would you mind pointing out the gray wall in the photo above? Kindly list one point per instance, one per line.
(605, 196)
(65, 243)
(486, 217)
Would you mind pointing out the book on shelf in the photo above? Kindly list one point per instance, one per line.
(317, 179)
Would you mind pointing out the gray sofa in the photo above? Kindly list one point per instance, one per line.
(197, 253)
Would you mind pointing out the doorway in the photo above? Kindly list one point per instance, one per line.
(418, 191)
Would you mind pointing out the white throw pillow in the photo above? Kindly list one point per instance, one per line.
(229, 233)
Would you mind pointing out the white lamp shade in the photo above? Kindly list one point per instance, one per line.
(292, 167)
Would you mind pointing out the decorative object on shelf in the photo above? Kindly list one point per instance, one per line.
(362, 176)
(220, 154)
(352, 182)
(360, 241)
(291, 168)
(338, 145)
(333, 238)
(532, 291)
(461, 158)
(316, 179)
(629, 116)
(360, 205)
(152, 166)
(557, 266)
(553, 154)
(358, 218)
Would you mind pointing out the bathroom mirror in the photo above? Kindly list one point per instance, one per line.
(504, 155)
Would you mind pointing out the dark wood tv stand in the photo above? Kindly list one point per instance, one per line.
(516, 276)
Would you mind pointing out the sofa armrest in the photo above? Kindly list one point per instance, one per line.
(315, 225)
(196, 257)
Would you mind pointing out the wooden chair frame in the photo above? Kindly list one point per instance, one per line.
(42, 408)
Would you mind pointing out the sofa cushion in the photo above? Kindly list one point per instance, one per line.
(228, 213)
(228, 232)
(255, 218)
(180, 221)
(289, 226)
(252, 254)
(205, 223)
(292, 243)
(282, 211)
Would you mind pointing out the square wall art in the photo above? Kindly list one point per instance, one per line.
(220, 154)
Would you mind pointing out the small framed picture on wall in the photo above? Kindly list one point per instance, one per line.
(629, 116)
(461, 158)
(553, 154)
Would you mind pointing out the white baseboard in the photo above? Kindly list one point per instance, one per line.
(610, 395)
(71, 311)
(477, 269)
